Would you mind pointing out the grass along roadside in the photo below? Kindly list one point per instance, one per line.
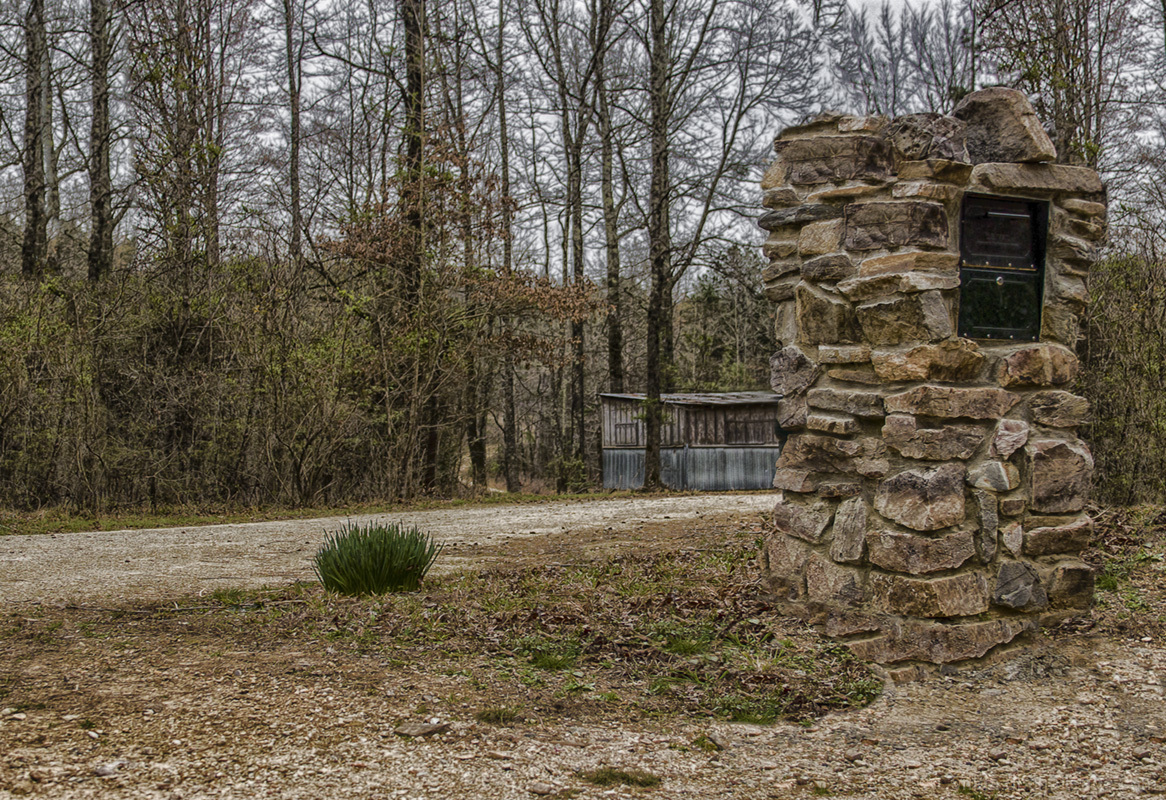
(680, 631)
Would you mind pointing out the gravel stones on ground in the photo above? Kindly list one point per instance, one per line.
(1084, 719)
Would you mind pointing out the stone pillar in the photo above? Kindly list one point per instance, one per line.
(932, 485)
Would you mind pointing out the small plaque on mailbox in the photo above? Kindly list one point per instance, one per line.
(1002, 243)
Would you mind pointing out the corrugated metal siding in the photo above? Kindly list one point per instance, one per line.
(710, 469)
(716, 425)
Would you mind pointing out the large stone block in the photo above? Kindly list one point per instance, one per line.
(785, 322)
(836, 488)
(999, 476)
(801, 481)
(792, 412)
(807, 522)
(951, 402)
(1014, 505)
(844, 354)
(1092, 230)
(791, 371)
(923, 317)
(866, 287)
(824, 318)
(1013, 538)
(1060, 323)
(843, 193)
(950, 360)
(832, 159)
(850, 401)
(925, 190)
(1060, 473)
(1067, 289)
(923, 499)
(864, 375)
(917, 137)
(820, 238)
(955, 596)
(885, 225)
(989, 525)
(783, 561)
(838, 424)
(1083, 208)
(1002, 126)
(832, 584)
(938, 643)
(1058, 409)
(779, 268)
(1043, 179)
(919, 555)
(946, 263)
(815, 453)
(834, 267)
(849, 531)
(938, 169)
(845, 622)
(867, 123)
(1010, 436)
(780, 218)
(781, 289)
(1073, 251)
(1070, 538)
(1038, 365)
(1018, 586)
(1071, 585)
(903, 433)
(783, 197)
(819, 453)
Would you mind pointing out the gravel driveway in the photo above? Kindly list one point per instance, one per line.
(110, 711)
(172, 562)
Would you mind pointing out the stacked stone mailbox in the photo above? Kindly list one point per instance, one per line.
(932, 485)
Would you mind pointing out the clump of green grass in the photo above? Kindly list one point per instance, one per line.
(360, 560)
(610, 776)
(549, 654)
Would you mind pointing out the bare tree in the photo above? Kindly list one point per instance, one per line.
(37, 140)
(1081, 61)
(102, 40)
(712, 69)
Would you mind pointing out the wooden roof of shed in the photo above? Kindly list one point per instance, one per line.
(706, 398)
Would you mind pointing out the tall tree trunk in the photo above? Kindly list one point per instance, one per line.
(667, 322)
(413, 198)
(578, 360)
(611, 240)
(101, 220)
(34, 249)
(480, 373)
(659, 238)
(413, 17)
(291, 25)
(212, 143)
(509, 411)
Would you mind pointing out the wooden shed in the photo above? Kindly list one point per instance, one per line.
(710, 441)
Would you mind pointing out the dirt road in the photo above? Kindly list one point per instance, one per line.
(173, 562)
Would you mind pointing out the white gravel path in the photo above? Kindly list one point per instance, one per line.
(173, 562)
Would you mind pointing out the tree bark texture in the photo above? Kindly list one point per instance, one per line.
(101, 218)
(34, 248)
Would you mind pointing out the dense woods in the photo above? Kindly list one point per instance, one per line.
(307, 252)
